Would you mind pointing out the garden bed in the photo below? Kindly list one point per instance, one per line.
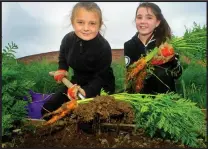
(104, 122)
(69, 136)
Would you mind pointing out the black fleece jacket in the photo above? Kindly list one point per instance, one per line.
(90, 61)
(167, 73)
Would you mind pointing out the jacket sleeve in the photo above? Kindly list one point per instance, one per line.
(62, 61)
(93, 88)
(127, 55)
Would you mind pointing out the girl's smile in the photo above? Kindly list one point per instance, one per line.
(86, 24)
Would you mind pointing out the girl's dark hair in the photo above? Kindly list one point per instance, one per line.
(163, 31)
(90, 6)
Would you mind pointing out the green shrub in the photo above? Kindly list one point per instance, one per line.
(192, 84)
(119, 73)
(14, 88)
(197, 35)
(193, 43)
(39, 73)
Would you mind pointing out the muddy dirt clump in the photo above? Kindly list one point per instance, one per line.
(105, 109)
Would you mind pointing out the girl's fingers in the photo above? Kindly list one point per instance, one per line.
(73, 91)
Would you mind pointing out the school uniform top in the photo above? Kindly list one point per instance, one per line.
(134, 49)
(90, 61)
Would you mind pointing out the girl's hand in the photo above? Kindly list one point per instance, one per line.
(73, 91)
(59, 75)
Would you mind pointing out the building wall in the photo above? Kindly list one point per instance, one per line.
(117, 55)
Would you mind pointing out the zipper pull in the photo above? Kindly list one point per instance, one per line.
(145, 49)
(81, 48)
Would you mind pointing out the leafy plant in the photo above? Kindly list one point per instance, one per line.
(192, 49)
(173, 117)
(192, 84)
(14, 88)
(39, 73)
(8, 51)
(193, 43)
(119, 73)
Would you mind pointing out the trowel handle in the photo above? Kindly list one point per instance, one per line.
(67, 83)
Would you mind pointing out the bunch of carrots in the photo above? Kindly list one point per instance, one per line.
(65, 109)
(165, 54)
(137, 72)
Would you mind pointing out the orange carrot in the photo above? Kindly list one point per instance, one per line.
(59, 110)
(140, 65)
(140, 81)
(56, 117)
(62, 111)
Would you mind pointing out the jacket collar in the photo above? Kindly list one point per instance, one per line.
(79, 39)
(152, 39)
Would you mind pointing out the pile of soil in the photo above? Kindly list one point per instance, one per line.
(83, 129)
(105, 109)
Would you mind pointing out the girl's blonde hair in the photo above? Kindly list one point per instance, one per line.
(90, 6)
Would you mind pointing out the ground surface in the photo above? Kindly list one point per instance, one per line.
(81, 129)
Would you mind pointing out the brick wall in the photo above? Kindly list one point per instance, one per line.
(117, 54)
